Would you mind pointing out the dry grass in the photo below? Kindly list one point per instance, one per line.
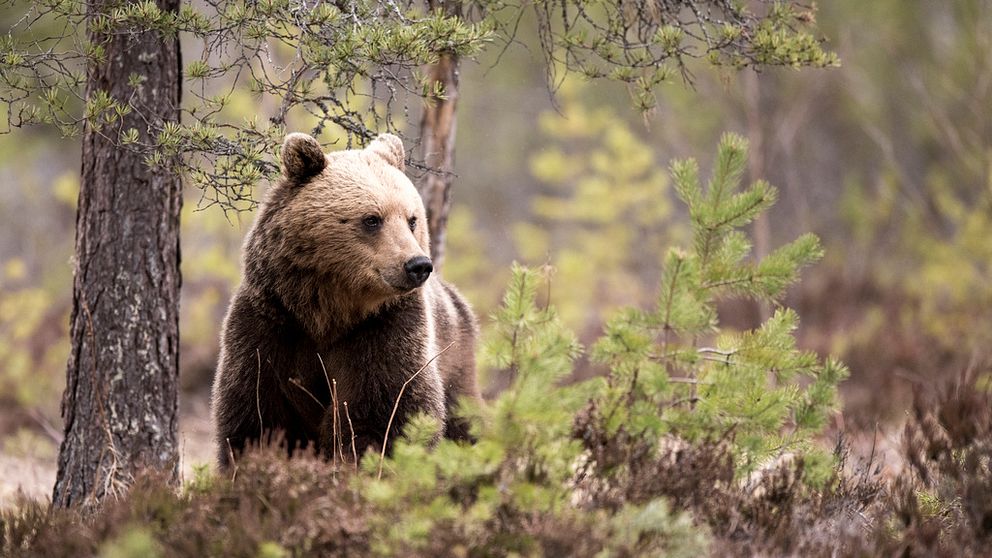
(273, 503)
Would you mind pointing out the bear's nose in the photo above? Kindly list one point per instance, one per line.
(418, 269)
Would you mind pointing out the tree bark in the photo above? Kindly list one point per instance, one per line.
(120, 400)
(437, 139)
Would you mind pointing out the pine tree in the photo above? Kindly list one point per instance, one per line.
(523, 444)
(674, 371)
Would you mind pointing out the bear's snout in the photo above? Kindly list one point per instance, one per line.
(418, 270)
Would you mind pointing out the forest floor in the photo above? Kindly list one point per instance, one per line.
(28, 463)
(29, 475)
(29, 467)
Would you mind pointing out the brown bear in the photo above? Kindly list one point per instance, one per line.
(338, 290)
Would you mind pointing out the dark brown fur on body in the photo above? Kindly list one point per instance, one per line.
(324, 291)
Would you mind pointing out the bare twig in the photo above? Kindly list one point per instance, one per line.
(727, 352)
(258, 397)
(46, 425)
(230, 452)
(680, 380)
(326, 377)
(297, 383)
(338, 436)
(332, 390)
(334, 422)
(354, 451)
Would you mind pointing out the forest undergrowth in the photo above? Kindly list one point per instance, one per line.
(698, 440)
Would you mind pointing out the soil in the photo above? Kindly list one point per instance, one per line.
(30, 471)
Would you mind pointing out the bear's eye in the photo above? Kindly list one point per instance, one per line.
(412, 222)
(372, 222)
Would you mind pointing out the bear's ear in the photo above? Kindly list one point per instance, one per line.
(302, 157)
(390, 148)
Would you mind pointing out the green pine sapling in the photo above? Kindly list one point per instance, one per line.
(673, 371)
(520, 465)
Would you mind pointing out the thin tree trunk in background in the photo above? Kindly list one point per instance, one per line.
(437, 139)
(120, 401)
(756, 164)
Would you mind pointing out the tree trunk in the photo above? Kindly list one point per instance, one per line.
(756, 163)
(120, 400)
(437, 139)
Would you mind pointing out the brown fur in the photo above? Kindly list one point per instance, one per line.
(317, 282)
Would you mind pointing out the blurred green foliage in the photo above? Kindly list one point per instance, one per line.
(211, 271)
(25, 312)
(34, 303)
(134, 542)
(888, 159)
(34, 278)
(471, 266)
(945, 273)
(916, 199)
(604, 219)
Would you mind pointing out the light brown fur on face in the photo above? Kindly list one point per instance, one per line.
(322, 221)
(326, 296)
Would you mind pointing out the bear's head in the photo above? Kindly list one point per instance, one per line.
(352, 217)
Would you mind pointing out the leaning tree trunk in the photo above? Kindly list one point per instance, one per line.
(437, 139)
(120, 400)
